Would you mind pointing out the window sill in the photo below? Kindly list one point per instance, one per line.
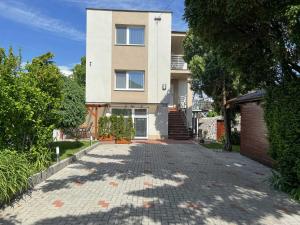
(131, 45)
(134, 90)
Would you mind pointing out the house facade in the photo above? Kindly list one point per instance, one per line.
(135, 67)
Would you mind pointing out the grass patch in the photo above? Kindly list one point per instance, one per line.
(69, 148)
(235, 148)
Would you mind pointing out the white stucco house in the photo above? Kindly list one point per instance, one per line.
(135, 67)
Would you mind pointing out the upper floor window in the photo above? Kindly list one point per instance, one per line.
(130, 80)
(130, 35)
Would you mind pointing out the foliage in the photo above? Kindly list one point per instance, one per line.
(29, 111)
(129, 129)
(30, 100)
(212, 114)
(14, 174)
(258, 38)
(114, 125)
(79, 72)
(104, 126)
(282, 107)
(72, 111)
(120, 132)
(117, 126)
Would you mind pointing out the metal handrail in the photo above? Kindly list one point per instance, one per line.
(178, 63)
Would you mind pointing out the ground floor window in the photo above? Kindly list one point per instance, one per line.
(139, 118)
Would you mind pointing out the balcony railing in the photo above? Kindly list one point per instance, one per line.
(178, 63)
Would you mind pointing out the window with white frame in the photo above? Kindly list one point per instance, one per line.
(130, 80)
(139, 118)
(130, 35)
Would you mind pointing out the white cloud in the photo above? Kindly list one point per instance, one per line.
(21, 13)
(66, 70)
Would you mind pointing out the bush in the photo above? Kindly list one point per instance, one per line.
(212, 114)
(282, 107)
(14, 174)
(104, 126)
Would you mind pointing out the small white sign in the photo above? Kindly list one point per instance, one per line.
(57, 150)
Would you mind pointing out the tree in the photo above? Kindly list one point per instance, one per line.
(79, 72)
(30, 100)
(73, 109)
(211, 75)
(259, 38)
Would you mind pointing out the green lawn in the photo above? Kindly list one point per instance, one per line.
(69, 148)
(235, 148)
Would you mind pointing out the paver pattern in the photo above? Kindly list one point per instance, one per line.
(156, 184)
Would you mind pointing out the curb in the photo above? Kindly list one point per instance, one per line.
(45, 174)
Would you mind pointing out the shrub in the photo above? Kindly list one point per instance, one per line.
(212, 114)
(282, 107)
(14, 174)
(129, 129)
(104, 126)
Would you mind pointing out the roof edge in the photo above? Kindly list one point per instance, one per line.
(129, 10)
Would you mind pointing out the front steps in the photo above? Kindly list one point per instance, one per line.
(177, 126)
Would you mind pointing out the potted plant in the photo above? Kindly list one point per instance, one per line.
(104, 130)
(125, 130)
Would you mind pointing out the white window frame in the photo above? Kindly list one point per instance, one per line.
(128, 35)
(127, 88)
(133, 116)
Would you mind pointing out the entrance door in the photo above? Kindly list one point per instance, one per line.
(140, 123)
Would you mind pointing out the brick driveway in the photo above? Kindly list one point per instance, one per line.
(156, 184)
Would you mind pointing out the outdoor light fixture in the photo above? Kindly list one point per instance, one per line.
(157, 18)
(164, 87)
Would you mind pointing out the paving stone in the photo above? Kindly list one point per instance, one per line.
(159, 183)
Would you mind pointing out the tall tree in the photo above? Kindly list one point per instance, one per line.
(73, 109)
(79, 72)
(260, 38)
(210, 74)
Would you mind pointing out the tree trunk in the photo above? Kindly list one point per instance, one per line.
(226, 115)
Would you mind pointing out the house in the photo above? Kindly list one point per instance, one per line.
(135, 67)
(254, 142)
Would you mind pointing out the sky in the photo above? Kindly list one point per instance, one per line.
(58, 26)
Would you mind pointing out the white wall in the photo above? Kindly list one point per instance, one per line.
(159, 57)
(158, 122)
(99, 54)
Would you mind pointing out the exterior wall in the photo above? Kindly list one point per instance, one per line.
(159, 55)
(158, 122)
(99, 54)
(129, 57)
(209, 125)
(254, 143)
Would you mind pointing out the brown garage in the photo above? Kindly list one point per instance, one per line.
(254, 142)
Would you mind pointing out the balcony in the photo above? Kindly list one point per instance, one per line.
(178, 63)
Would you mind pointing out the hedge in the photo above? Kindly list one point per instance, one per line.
(282, 115)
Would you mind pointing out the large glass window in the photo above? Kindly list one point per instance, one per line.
(130, 35)
(136, 79)
(121, 35)
(119, 112)
(136, 35)
(130, 80)
(121, 80)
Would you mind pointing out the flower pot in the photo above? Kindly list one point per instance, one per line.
(123, 141)
(106, 138)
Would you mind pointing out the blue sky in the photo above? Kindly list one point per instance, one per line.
(58, 26)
